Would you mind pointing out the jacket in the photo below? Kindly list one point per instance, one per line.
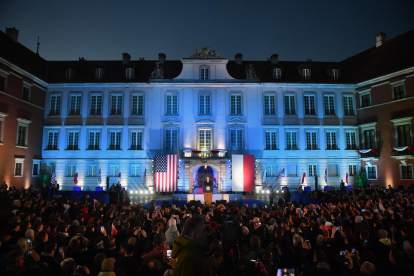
(190, 258)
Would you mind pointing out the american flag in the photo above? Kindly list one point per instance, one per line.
(144, 178)
(53, 178)
(166, 173)
(99, 176)
(280, 174)
(326, 175)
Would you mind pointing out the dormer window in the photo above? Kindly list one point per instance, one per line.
(306, 74)
(204, 72)
(98, 73)
(129, 73)
(277, 73)
(335, 74)
(69, 74)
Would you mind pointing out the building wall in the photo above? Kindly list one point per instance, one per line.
(12, 109)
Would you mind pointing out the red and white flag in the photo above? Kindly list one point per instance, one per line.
(95, 201)
(113, 230)
(75, 177)
(214, 180)
(303, 178)
(346, 178)
(165, 175)
(243, 173)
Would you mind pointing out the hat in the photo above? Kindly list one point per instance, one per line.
(382, 234)
(359, 219)
(108, 265)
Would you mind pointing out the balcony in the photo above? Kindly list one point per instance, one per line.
(403, 154)
(371, 154)
(212, 154)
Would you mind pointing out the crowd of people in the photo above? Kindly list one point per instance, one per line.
(352, 232)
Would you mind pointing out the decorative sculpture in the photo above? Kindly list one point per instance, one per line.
(205, 52)
(158, 72)
(250, 72)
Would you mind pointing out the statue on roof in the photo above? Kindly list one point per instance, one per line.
(205, 52)
(250, 72)
(158, 72)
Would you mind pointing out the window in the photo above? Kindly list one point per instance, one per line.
(291, 140)
(332, 170)
(94, 138)
(172, 104)
(271, 140)
(204, 104)
(311, 142)
(75, 104)
(98, 73)
(92, 170)
(73, 140)
(26, 93)
(171, 139)
(366, 100)
(306, 74)
(54, 105)
(331, 140)
(290, 105)
(18, 166)
(22, 132)
(372, 172)
(310, 105)
(399, 92)
(328, 102)
(348, 106)
(52, 140)
(204, 72)
(96, 105)
(71, 170)
(136, 140)
(277, 74)
(350, 138)
(2, 83)
(204, 139)
(114, 170)
(335, 74)
(115, 140)
(137, 104)
(129, 73)
(271, 170)
(69, 73)
(116, 105)
(352, 170)
(269, 104)
(135, 170)
(2, 122)
(404, 135)
(313, 170)
(50, 168)
(236, 139)
(369, 139)
(36, 168)
(236, 104)
(406, 171)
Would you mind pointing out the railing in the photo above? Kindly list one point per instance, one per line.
(370, 154)
(402, 153)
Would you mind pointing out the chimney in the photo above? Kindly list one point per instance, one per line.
(239, 58)
(13, 33)
(274, 59)
(161, 58)
(380, 39)
(126, 58)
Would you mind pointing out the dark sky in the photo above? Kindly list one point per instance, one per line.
(296, 30)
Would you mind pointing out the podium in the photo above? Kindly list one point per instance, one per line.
(208, 189)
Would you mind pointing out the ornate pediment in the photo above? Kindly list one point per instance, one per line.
(205, 53)
(171, 122)
(204, 121)
(237, 122)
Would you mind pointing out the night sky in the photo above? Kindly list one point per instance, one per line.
(296, 30)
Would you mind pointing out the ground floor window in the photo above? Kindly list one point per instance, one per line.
(372, 172)
(407, 172)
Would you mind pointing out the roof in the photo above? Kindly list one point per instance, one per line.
(392, 56)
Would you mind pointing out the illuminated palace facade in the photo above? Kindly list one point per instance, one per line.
(294, 117)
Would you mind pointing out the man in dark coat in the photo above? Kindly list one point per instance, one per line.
(271, 195)
(286, 194)
(316, 182)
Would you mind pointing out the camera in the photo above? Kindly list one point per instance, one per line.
(169, 253)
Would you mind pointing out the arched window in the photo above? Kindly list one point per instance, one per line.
(306, 74)
(277, 74)
(335, 74)
(98, 73)
(129, 73)
(204, 72)
(69, 73)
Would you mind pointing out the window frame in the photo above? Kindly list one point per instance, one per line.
(18, 161)
(403, 122)
(114, 166)
(206, 106)
(171, 103)
(170, 145)
(290, 96)
(140, 106)
(352, 172)
(273, 170)
(27, 86)
(335, 74)
(312, 169)
(308, 111)
(204, 72)
(71, 172)
(238, 97)
(51, 147)
(129, 73)
(99, 73)
(331, 111)
(292, 146)
(268, 109)
(77, 111)
(131, 140)
(69, 74)
(351, 146)
(36, 162)
(237, 145)
(95, 174)
(205, 129)
(277, 73)
(2, 124)
(306, 73)
(312, 146)
(95, 108)
(368, 173)
(272, 146)
(23, 123)
(333, 146)
(397, 84)
(75, 132)
(349, 109)
(119, 104)
(58, 104)
(401, 166)
(93, 146)
(5, 76)
(131, 170)
(114, 146)
(362, 94)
